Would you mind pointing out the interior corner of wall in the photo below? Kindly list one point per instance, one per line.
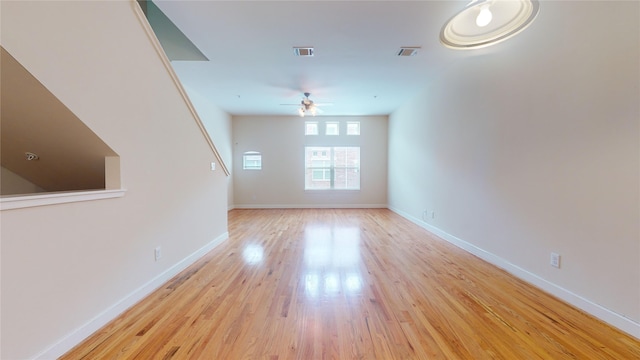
(112, 172)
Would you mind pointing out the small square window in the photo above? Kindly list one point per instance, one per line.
(332, 128)
(353, 127)
(311, 128)
(252, 160)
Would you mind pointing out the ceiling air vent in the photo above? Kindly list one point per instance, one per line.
(303, 51)
(408, 51)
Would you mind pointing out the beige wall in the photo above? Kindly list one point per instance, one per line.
(13, 184)
(218, 125)
(281, 141)
(68, 264)
(523, 151)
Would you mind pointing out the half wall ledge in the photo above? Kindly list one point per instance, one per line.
(25, 201)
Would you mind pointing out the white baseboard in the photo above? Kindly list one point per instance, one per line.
(68, 342)
(614, 319)
(311, 206)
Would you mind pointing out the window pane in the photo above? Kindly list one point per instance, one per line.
(315, 153)
(332, 128)
(347, 157)
(311, 128)
(352, 179)
(353, 128)
(252, 160)
(347, 179)
(339, 169)
(321, 174)
(321, 163)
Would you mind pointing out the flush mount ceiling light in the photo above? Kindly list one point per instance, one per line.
(487, 22)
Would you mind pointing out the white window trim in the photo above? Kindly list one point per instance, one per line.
(332, 167)
(353, 122)
(44, 199)
(247, 154)
(306, 123)
(326, 128)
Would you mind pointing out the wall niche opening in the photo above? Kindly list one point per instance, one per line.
(44, 146)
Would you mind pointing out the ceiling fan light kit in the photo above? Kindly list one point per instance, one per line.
(486, 22)
(307, 106)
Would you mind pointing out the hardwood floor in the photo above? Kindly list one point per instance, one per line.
(348, 284)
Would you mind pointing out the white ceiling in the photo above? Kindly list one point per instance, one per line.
(252, 67)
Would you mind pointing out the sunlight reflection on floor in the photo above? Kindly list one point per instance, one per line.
(332, 261)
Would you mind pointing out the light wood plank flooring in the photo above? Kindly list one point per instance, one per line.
(348, 284)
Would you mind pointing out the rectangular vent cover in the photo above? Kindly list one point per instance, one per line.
(408, 51)
(303, 51)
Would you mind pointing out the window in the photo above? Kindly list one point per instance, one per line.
(252, 160)
(321, 175)
(311, 128)
(329, 167)
(332, 128)
(353, 127)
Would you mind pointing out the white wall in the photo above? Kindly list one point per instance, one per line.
(14, 184)
(523, 150)
(66, 265)
(281, 141)
(218, 125)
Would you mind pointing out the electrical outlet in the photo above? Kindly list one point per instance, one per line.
(213, 166)
(426, 215)
(158, 253)
(555, 260)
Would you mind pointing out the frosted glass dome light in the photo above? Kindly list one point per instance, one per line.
(486, 22)
(484, 17)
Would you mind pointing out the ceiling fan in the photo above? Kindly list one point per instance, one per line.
(307, 106)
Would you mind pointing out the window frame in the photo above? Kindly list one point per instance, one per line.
(331, 167)
(353, 123)
(306, 128)
(337, 127)
(248, 154)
